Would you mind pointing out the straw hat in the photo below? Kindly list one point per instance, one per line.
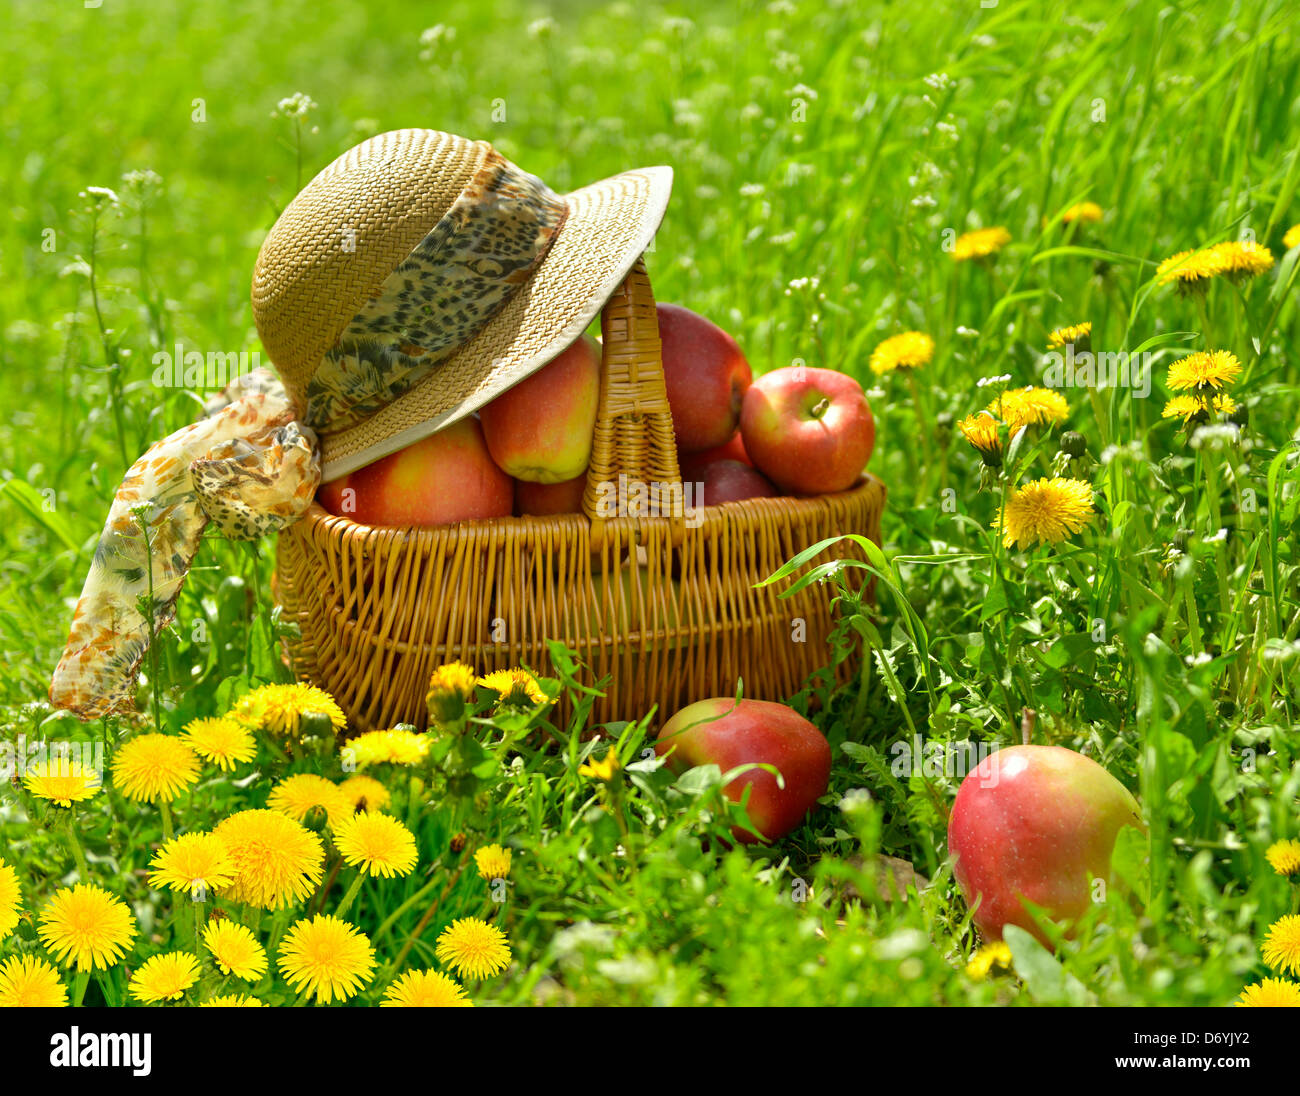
(421, 274)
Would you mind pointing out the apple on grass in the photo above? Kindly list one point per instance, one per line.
(540, 430)
(728, 734)
(810, 431)
(706, 376)
(1035, 822)
(444, 478)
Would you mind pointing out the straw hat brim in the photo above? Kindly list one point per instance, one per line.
(608, 226)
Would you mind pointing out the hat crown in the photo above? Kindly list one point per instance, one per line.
(335, 244)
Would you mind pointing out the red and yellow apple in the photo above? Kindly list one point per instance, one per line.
(728, 734)
(540, 430)
(706, 376)
(446, 477)
(810, 431)
(542, 499)
(1035, 822)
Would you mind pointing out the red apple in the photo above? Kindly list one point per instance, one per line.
(447, 477)
(540, 430)
(726, 481)
(810, 431)
(734, 449)
(706, 375)
(724, 733)
(1035, 822)
(541, 499)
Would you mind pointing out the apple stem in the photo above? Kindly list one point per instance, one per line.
(1027, 718)
(819, 408)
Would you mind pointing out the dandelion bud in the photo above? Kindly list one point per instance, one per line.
(315, 819)
(1073, 444)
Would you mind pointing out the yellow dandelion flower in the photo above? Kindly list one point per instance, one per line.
(62, 780)
(365, 793)
(981, 430)
(154, 767)
(425, 989)
(165, 977)
(296, 795)
(1243, 258)
(451, 687)
(1045, 512)
(989, 957)
(278, 861)
(193, 862)
(376, 843)
(473, 948)
(233, 1000)
(517, 688)
(980, 244)
(87, 926)
(1078, 335)
(223, 741)
(1281, 949)
(235, 949)
(910, 350)
(1270, 993)
(393, 747)
(493, 862)
(1284, 857)
(1083, 213)
(1292, 237)
(1188, 408)
(1204, 369)
(27, 981)
(1019, 407)
(326, 957)
(280, 708)
(1190, 269)
(11, 899)
(604, 769)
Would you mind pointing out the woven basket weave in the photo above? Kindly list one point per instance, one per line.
(667, 608)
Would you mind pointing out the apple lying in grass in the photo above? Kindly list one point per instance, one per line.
(1035, 822)
(727, 734)
(542, 499)
(446, 477)
(809, 431)
(706, 376)
(540, 430)
(726, 481)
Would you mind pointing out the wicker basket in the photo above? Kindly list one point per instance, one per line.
(666, 606)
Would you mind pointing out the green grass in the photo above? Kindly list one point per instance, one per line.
(807, 144)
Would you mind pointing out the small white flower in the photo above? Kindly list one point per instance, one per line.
(752, 190)
(298, 105)
(542, 28)
(983, 382)
(1198, 659)
(939, 81)
(103, 192)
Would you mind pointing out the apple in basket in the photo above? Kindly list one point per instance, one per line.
(728, 734)
(540, 430)
(706, 376)
(809, 431)
(733, 449)
(542, 499)
(447, 477)
(1035, 822)
(724, 480)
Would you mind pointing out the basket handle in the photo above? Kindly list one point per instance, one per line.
(634, 428)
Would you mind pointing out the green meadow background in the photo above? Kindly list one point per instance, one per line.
(823, 153)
